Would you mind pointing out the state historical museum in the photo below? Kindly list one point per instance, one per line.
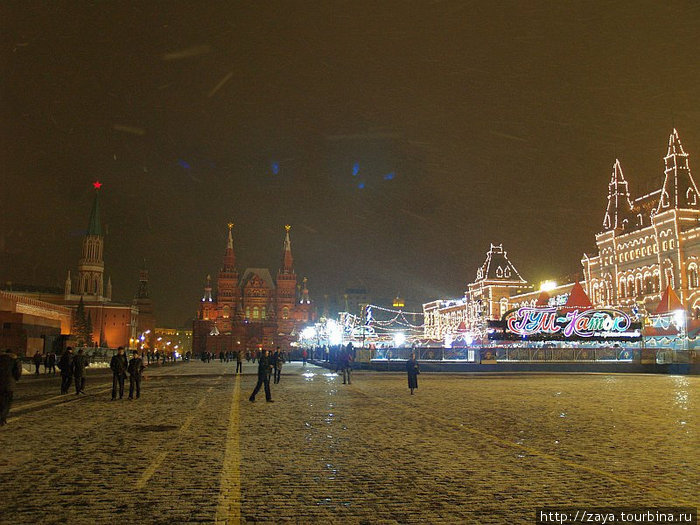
(251, 311)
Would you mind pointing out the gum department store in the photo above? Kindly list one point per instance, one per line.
(647, 244)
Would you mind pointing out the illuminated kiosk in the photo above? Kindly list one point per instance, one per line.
(669, 326)
(611, 332)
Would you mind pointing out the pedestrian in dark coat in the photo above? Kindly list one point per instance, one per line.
(346, 364)
(412, 370)
(135, 372)
(50, 363)
(277, 360)
(264, 367)
(118, 364)
(37, 359)
(10, 372)
(66, 366)
(239, 363)
(80, 363)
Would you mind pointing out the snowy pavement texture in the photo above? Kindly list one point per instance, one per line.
(464, 449)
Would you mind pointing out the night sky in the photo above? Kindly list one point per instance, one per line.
(397, 138)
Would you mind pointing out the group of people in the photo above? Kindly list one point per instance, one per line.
(73, 367)
(224, 357)
(48, 360)
(120, 366)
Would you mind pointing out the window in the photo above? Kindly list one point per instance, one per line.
(623, 288)
(285, 312)
(671, 244)
(692, 276)
(256, 312)
(247, 312)
(264, 313)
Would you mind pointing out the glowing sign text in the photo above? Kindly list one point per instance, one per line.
(587, 323)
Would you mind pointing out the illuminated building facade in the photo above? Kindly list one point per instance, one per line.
(113, 324)
(646, 245)
(251, 311)
(649, 243)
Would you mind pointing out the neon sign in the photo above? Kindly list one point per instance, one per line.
(604, 322)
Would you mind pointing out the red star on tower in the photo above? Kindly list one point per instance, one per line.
(97, 184)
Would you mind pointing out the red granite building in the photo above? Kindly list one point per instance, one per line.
(251, 311)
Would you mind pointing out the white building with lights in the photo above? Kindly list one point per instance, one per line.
(646, 245)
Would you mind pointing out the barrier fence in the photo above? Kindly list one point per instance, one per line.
(537, 355)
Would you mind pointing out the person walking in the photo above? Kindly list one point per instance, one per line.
(10, 372)
(80, 363)
(37, 359)
(304, 355)
(412, 370)
(50, 365)
(346, 364)
(239, 363)
(277, 360)
(66, 366)
(263, 377)
(118, 364)
(135, 373)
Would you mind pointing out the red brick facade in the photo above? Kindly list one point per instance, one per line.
(251, 311)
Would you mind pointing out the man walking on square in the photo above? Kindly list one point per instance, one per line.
(239, 363)
(277, 360)
(118, 364)
(135, 371)
(80, 362)
(37, 359)
(50, 363)
(346, 364)
(66, 366)
(263, 377)
(10, 372)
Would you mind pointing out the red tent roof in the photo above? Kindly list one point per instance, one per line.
(578, 300)
(543, 299)
(669, 302)
(462, 327)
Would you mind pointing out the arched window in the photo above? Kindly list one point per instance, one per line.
(256, 312)
(247, 312)
(664, 246)
(263, 313)
(227, 312)
(669, 277)
(285, 312)
(692, 276)
(671, 244)
(638, 285)
(623, 288)
(657, 284)
(648, 284)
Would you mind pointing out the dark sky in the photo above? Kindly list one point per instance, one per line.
(466, 123)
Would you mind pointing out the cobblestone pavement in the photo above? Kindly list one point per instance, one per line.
(464, 449)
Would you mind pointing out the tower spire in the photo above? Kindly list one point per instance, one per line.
(619, 210)
(304, 293)
(287, 259)
(679, 190)
(91, 265)
(229, 255)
